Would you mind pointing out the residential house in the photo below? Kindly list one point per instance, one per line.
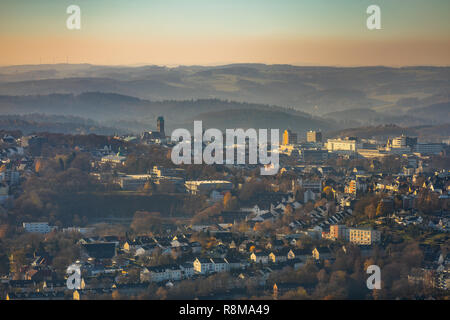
(234, 263)
(278, 256)
(220, 265)
(302, 254)
(321, 253)
(260, 257)
(203, 266)
(187, 270)
(170, 272)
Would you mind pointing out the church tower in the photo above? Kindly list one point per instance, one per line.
(160, 126)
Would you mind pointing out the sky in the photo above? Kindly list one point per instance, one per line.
(212, 32)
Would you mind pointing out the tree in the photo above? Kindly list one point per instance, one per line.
(116, 295)
(229, 202)
(4, 264)
(288, 210)
(322, 275)
(370, 211)
(250, 189)
(161, 293)
(381, 209)
(3, 229)
(368, 263)
(17, 260)
(38, 165)
(148, 187)
(226, 199)
(328, 193)
(144, 222)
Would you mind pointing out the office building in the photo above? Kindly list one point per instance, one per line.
(289, 137)
(314, 136)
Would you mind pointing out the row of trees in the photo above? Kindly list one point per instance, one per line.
(345, 278)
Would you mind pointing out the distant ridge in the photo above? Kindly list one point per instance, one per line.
(133, 114)
(316, 90)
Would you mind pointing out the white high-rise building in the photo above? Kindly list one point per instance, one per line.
(399, 142)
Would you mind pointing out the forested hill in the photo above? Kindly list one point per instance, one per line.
(132, 114)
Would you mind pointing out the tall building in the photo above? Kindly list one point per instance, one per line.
(411, 141)
(160, 126)
(351, 187)
(289, 137)
(314, 136)
(155, 136)
(403, 142)
(399, 142)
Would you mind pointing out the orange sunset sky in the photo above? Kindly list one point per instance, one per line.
(208, 32)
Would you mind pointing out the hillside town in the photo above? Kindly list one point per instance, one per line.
(140, 227)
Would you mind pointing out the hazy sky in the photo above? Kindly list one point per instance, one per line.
(172, 32)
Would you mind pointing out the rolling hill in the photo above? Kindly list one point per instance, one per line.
(135, 115)
(316, 90)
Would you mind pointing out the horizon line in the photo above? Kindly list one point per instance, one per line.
(173, 66)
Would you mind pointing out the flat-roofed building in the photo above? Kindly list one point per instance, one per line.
(314, 136)
(133, 181)
(159, 171)
(345, 146)
(114, 158)
(357, 236)
(429, 148)
(37, 227)
(399, 142)
(363, 236)
(372, 153)
(206, 186)
(313, 155)
(313, 185)
(289, 137)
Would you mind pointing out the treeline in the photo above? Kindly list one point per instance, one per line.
(345, 278)
(33, 123)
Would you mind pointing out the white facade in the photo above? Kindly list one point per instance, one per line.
(133, 181)
(203, 266)
(78, 229)
(347, 146)
(114, 158)
(205, 186)
(220, 265)
(259, 258)
(38, 227)
(162, 273)
(399, 142)
(187, 270)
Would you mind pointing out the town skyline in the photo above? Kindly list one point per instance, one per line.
(239, 151)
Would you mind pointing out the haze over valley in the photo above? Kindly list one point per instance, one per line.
(129, 99)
